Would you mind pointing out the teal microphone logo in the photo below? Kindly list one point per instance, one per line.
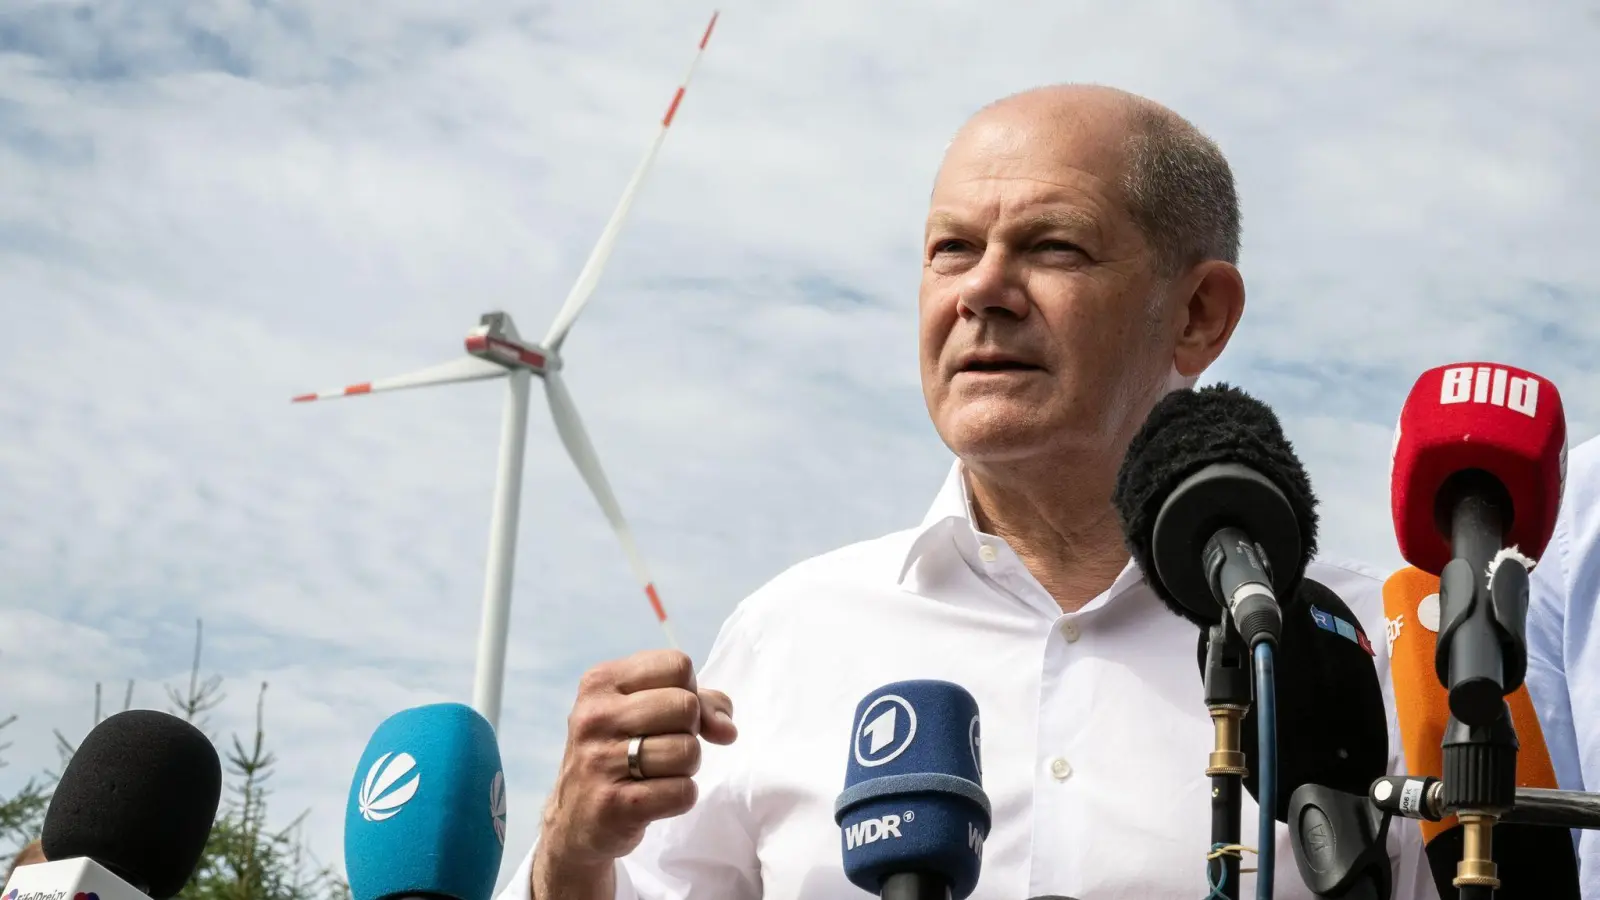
(386, 789)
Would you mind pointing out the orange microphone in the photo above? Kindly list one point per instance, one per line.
(1537, 862)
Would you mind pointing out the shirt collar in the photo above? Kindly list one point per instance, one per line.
(953, 499)
(950, 524)
(952, 506)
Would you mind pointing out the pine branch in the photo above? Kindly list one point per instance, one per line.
(202, 695)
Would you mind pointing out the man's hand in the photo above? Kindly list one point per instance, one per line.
(598, 811)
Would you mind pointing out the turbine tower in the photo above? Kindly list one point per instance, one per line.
(496, 350)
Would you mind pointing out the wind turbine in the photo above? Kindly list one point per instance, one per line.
(496, 350)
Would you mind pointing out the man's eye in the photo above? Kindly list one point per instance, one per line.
(950, 245)
(1058, 247)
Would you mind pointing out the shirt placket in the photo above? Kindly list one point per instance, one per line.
(1056, 849)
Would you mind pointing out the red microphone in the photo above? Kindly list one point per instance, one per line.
(1477, 430)
(1479, 464)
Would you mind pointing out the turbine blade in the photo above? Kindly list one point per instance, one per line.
(589, 277)
(467, 368)
(576, 439)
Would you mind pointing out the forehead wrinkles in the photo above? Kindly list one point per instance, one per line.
(1019, 207)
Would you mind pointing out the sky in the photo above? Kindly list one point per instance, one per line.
(212, 206)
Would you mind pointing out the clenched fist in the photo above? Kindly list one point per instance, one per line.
(647, 703)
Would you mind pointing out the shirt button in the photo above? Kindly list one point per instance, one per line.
(1060, 768)
(986, 552)
(1070, 631)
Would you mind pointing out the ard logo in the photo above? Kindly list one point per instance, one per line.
(1491, 385)
(887, 727)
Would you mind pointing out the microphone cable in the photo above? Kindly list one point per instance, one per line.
(1267, 761)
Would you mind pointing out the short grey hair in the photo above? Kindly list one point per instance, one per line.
(1179, 190)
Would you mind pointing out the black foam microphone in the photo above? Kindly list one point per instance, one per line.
(138, 797)
(1219, 514)
(1217, 509)
(1332, 727)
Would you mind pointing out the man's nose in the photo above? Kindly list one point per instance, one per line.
(989, 291)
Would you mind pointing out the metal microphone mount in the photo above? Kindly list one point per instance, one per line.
(1228, 695)
(1482, 656)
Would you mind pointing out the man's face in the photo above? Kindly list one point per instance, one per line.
(1042, 322)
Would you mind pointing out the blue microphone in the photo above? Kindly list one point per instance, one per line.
(913, 815)
(427, 811)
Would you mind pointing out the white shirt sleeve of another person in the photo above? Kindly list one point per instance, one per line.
(1564, 644)
(1361, 588)
(709, 851)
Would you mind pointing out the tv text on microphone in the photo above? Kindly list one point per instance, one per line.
(1220, 516)
(913, 815)
(1479, 466)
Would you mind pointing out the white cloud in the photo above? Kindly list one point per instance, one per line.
(211, 209)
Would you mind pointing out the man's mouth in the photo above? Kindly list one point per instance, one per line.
(997, 365)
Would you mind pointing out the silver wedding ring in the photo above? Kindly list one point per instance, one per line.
(635, 744)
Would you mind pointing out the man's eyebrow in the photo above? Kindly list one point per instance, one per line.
(1064, 218)
(942, 221)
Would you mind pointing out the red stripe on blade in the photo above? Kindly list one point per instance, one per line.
(358, 389)
(666, 121)
(655, 602)
(304, 398)
(705, 40)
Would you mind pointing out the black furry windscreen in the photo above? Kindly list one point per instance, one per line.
(1189, 430)
(139, 796)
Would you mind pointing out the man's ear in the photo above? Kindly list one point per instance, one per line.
(1208, 313)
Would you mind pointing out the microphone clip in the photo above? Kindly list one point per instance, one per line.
(1340, 843)
(1482, 651)
(1228, 695)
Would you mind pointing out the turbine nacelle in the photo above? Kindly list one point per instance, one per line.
(496, 339)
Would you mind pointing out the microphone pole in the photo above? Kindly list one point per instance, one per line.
(1227, 684)
(914, 886)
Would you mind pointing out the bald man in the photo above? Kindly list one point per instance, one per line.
(1079, 262)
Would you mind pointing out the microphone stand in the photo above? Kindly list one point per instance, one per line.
(1339, 838)
(1228, 694)
(914, 886)
(1423, 798)
(1482, 656)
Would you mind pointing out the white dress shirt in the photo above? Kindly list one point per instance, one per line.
(1564, 645)
(1095, 730)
